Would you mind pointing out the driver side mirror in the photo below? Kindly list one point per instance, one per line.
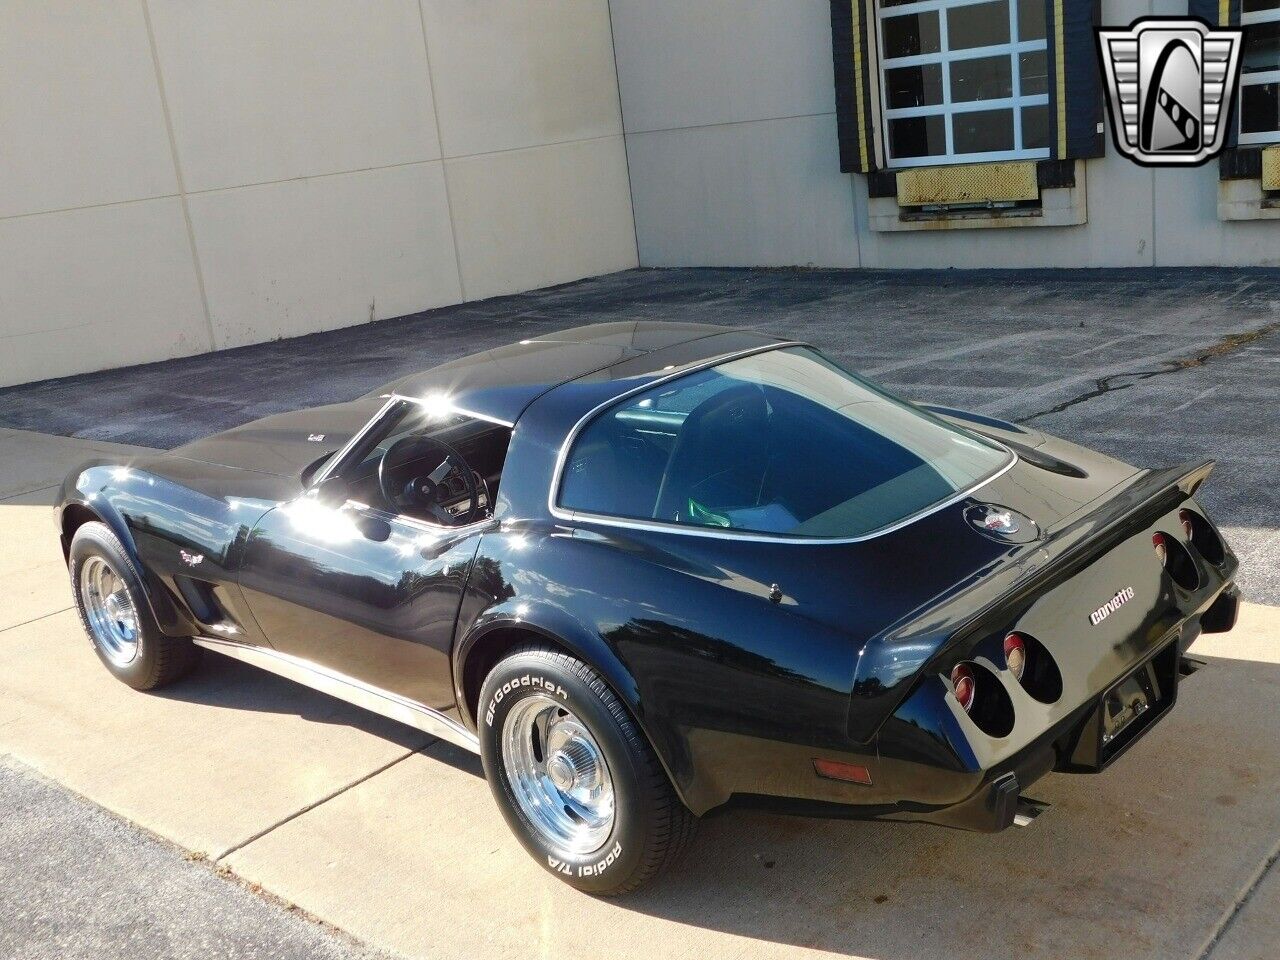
(332, 491)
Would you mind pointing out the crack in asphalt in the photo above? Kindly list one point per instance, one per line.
(1110, 384)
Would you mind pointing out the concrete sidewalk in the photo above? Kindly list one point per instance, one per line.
(394, 838)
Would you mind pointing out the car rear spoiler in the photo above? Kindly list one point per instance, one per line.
(892, 659)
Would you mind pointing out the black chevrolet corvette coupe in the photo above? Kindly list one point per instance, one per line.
(650, 570)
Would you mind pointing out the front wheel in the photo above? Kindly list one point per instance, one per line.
(573, 775)
(114, 612)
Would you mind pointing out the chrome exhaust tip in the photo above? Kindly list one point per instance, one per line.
(1027, 810)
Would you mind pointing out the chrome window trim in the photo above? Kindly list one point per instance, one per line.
(467, 413)
(393, 399)
(659, 526)
(353, 691)
(346, 449)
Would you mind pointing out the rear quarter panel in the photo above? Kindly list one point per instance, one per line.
(735, 692)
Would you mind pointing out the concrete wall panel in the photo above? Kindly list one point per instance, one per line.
(272, 91)
(763, 194)
(80, 116)
(307, 167)
(511, 74)
(96, 288)
(530, 218)
(1189, 233)
(285, 259)
(684, 63)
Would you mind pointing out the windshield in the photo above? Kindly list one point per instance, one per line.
(782, 442)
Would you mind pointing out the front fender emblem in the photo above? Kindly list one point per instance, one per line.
(191, 559)
(316, 438)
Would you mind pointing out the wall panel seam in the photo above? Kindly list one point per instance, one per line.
(177, 170)
(444, 172)
(89, 206)
(622, 123)
(735, 123)
(535, 146)
(309, 176)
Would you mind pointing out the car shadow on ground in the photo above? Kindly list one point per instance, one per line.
(1143, 860)
(220, 681)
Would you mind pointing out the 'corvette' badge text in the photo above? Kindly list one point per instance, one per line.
(1111, 606)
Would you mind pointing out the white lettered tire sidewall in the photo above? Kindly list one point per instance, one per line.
(609, 868)
(160, 659)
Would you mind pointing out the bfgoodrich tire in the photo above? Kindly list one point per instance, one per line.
(575, 778)
(116, 615)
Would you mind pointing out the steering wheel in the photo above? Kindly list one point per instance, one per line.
(451, 478)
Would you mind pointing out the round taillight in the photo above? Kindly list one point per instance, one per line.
(962, 681)
(1188, 523)
(1162, 551)
(1015, 654)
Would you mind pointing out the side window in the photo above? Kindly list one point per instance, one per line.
(780, 442)
(618, 463)
(426, 483)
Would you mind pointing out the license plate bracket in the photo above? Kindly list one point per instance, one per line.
(1135, 702)
(1128, 700)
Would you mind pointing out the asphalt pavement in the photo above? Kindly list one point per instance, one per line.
(78, 883)
(1153, 366)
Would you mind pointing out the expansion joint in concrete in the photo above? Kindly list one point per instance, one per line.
(1233, 910)
(320, 802)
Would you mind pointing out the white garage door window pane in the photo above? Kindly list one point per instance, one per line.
(918, 136)
(984, 131)
(1033, 68)
(911, 35)
(1260, 72)
(918, 86)
(978, 25)
(1035, 126)
(982, 78)
(960, 79)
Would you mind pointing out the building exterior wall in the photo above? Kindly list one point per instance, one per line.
(730, 123)
(181, 176)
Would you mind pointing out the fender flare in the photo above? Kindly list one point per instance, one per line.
(163, 611)
(562, 629)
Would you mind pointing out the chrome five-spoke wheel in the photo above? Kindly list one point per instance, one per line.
(558, 774)
(110, 610)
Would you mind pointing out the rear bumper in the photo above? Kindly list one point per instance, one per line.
(1075, 744)
(936, 781)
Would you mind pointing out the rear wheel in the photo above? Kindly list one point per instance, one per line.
(573, 775)
(113, 608)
